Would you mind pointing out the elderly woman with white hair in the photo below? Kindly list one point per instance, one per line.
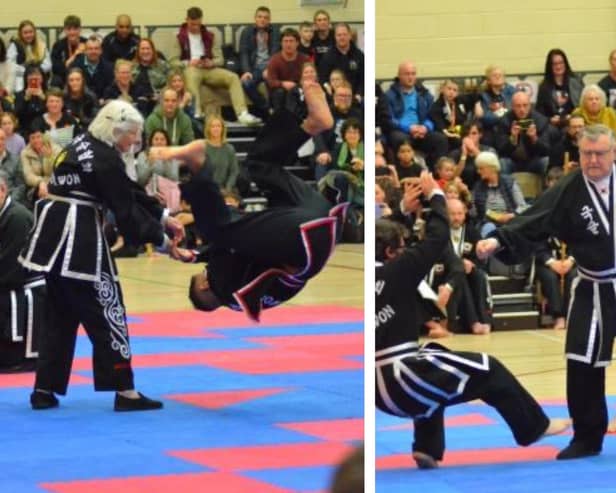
(67, 244)
(593, 108)
(497, 197)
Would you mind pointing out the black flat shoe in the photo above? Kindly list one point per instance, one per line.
(576, 450)
(122, 403)
(43, 400)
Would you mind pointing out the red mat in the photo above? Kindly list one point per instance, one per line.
(219, 400)
(334, 429)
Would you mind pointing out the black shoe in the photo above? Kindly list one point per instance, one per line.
(141, 404)
(43, 400)
(577, 450)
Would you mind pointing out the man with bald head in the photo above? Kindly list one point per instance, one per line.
(409, 104)
(523, 137)
(121, 43)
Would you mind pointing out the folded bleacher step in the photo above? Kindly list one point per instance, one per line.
(503, 284)
(522, 320)
(513, 302)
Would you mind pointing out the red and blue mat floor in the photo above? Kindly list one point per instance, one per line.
(268, 408)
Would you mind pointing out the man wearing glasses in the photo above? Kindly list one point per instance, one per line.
(579, 210)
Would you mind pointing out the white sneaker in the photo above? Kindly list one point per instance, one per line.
(246, 118)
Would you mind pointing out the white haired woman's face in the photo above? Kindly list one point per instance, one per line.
(592, 102)
(128, 138)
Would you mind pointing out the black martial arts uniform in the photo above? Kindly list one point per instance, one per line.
(265, 258)
(67, 244)
(22, 293)
(575, 211)
(420, 381)
(555, 288)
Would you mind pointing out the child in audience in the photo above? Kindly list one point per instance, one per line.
(408, 165)
(446, 171)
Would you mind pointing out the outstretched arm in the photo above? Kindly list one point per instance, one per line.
(192, 154)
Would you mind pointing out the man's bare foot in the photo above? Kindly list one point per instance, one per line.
(480, 329)
(611, 427)
(319, 117)
(436, 330)
(556, 426)
(424, 461)
(560, 323)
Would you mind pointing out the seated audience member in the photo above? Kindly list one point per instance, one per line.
(457, 189)
(120, 44)
(475, 306)
(37, 160)
(608, 83)
(471, 146)
(593, 108)
(22, 294)
(408, 165)
(257, 45)
(386, 196)
(149, 73)
(345, 56)
(97, 71)
(66, 50)
(26, 49)
(523, 138)
(494, 101)
(220, 154)
(382, 169)
(57, 124)
(124, 89)
(8, 71)
(284, 68)
(11, 166)
(445, 169)
(14, 141)
(336, 79)
(201, 53)
(168, 116)
(409, 104)
(306, 35)
(448, 113)
(555, 269)
(323, 39)
(497, 197)
(30, 103)
(565, 153)
(79, 101)
(177, 82)
(295, 100)
(560, 90)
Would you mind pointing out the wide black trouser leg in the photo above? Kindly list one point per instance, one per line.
(477, 281)
(430, 435)
(550, 288)
(586, 401)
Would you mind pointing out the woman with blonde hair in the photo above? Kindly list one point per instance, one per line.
(26, 48)
(220, 154)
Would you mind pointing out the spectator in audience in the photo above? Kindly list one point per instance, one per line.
(306, 35)
(168, 116)
(120, 44)
(257, 45)
(22, 294)
(177, 82)
(560, 90)
(124, 89)
(457, 189)
(200, 51)
(345, 56)
(409, 104)
(8, 71)
(565, 154)
(445, 169)
(523, 137)
(381, 199)
(149, 73)
(608, 83)
(496, 196)
(10, 164)
(324, 38)
(336, 78)
(448, 113)
(220, 154)
(98, 72)
(66, 49)
(295, 100)
(15, 143)
(494, 101)
(37, 160)
(55, 123)
(27, 49)
(30, 102)
(408, 165)
(382, 115)
(169, 168)
(79, 101)
(285, 68)
(472, 133)
(593, 108)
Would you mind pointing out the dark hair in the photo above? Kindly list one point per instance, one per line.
(306, 24)
(2, 51)
(555, 173)
(386, 234)
(72, 21)
(194, 13)
(321, 12)
(548, 74)
(346, 25)
(158, 131)
(405, 142)
(289, 31)
(263, 8)
(34, 68)
(206, 300)
(468, 126)
(75, 70)
(351, 123)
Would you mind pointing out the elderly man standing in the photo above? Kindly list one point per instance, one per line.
(409, 104)
(579, 211)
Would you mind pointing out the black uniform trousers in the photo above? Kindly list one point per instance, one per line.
(558, 300)
(474, 306)
(99, 306)
(501, 390)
